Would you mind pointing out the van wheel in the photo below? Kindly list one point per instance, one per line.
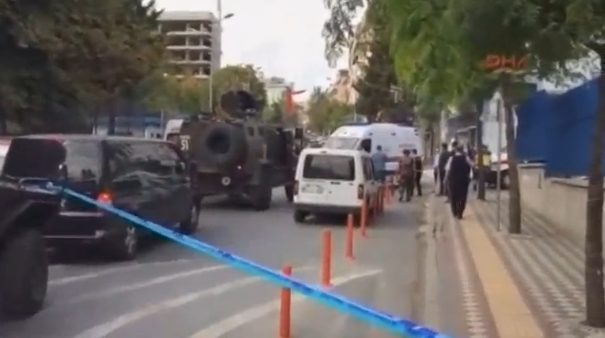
(189, 226)
(126, 246)
(299, 216)
(261, 197)
(24, 271)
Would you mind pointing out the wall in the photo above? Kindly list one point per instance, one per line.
(561, 202)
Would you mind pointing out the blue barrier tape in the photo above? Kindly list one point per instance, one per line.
(378, 318)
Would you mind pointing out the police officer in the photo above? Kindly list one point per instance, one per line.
(458, 173)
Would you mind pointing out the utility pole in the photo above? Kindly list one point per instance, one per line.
(219, 33)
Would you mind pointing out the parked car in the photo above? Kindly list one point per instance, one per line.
(496, 165)
(147, 177)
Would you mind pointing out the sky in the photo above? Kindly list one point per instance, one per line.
(282, 37)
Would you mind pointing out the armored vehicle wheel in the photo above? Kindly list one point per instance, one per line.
(24, 271)
(261, 196)
(289, 190)
(190, 225)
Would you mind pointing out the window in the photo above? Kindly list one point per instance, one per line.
(342, 143)
(168, 159)
(329, 167)
(119, 155)
(30, 157)
(83, 160)
(368, 169)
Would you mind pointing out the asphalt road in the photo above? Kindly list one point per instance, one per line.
(173, 292)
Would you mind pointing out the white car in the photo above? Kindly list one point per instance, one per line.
(334, 181)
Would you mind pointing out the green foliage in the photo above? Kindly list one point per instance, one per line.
(239, 77)
(61, 57)
(326, 114)
(191, 95)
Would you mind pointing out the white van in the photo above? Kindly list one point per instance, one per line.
(3, 151)
(173, 129)
(333, 181)
(393, 139)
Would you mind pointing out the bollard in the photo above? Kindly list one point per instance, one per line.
(326, 259)
(284, 309)
(349, 238)
(364, 218)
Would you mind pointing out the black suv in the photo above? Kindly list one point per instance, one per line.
(146, 177)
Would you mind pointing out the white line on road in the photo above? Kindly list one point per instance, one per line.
(148, 283)
(105, 329)
(225, 326)
(108, 271)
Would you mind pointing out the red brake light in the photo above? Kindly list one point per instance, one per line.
(104, 198)
(360, 192)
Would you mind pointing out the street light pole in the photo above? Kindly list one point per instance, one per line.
(219, 28)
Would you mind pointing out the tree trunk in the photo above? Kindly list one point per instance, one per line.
(479, 153)
(514, 190)
(593, 245)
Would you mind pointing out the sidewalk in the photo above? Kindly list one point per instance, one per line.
(507, 286)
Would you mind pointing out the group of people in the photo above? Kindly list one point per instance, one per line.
(409, 171)
(454, 170)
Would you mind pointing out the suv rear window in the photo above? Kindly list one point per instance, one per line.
(329, 167)
(33, 158)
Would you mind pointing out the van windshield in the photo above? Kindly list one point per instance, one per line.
(342, 143)
(329, 167)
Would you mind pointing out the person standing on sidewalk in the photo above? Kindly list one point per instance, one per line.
(379, 158)
(406, 176)
(458, 173)
(444, 156)
(417, 171)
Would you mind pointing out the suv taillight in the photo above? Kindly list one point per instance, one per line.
(360, 191)
(104, 198)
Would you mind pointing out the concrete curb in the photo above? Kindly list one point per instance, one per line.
(431, 313)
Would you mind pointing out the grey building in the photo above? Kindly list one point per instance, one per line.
(193, 42)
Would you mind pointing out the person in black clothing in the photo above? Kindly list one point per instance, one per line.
(417, 171)
(458, 171)
(444, 156)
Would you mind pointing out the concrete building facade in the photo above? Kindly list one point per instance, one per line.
(193, 42)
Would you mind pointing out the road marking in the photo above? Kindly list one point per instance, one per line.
(225, 326)
(105, 329)
(511, 314)
(108, 271)
(148, 283)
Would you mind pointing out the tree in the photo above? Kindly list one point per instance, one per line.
(61, 57)
(326, 114)
(375, 86)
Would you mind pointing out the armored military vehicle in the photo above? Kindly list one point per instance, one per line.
(238, 155)
(24, 209)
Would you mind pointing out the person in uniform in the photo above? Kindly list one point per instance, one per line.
(458, 173)
(417, 171)
(406, 176)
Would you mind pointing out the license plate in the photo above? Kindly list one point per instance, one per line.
(313, 189)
